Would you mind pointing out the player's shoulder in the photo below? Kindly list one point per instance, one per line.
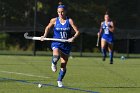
(111, 22)
(70, 20)
(67, 17)
(53, 19)
(102, 22)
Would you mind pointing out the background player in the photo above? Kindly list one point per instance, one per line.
(107, 29)
(62, 30)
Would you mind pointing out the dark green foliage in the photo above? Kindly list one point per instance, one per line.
(86, 14)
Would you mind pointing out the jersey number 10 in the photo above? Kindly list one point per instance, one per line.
(63, 35)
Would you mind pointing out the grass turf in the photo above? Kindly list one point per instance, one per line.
(20, 74)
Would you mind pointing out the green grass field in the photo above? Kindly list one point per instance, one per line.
(20, 74)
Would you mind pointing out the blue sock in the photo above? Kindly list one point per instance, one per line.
(104, 52)
(61, 75)
(111, 55)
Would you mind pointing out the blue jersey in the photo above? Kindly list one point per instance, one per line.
(107, 35)
(62, 31)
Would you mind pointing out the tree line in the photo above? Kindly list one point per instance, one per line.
(86, 14)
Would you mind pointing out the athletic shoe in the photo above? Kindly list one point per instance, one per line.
(59, 84)
(103, 59)
(111, 62)
(54, 67)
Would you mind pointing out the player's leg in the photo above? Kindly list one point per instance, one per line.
(55, 58)
(103, 46)
(110, 49)
(64, 60)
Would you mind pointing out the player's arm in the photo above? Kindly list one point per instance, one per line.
(100, 30)
(75, 29)
(48, 27)
(111, 28)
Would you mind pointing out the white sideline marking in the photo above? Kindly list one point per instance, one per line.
(23, 74)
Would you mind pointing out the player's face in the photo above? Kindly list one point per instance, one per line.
(61, 12)
(106, 17)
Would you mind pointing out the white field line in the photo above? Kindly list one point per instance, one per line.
(30, 75)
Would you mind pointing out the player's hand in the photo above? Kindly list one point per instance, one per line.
(71, 39)
(42, 38)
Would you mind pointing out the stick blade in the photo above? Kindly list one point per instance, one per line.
(26, 35)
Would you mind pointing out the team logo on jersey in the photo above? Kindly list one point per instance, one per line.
(63, 29)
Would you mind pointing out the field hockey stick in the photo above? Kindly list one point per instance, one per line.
(39, 38)
(97, 43)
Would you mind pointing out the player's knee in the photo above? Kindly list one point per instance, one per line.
(63, 66)
(103, 46)
(55, 58)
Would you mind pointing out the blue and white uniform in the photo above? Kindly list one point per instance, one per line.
(62, 31)
(107, 35)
